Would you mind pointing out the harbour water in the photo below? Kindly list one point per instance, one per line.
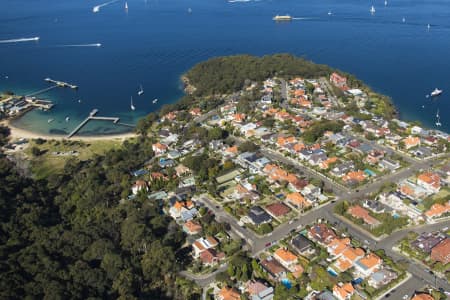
(154, 42)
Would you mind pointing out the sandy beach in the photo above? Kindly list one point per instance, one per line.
(17, 133)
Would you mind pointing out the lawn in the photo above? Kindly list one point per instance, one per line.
(48, 162)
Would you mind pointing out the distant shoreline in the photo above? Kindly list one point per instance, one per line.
(17, 133)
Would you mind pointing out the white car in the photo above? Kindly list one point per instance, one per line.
(405, 297)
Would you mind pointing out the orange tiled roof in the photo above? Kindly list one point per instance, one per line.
(344, 291)
(337, 246)
(430, 178)
(227, 293)
(352, 254)
(411, 141)
(437, 210)
(370, 260)
(233, 149)
(297, 199)
(422, 297)
(354, 175)
(192, 226)
(362, 213)
(286, 255)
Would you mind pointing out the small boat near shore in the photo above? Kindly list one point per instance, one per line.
(155, 101)
(67, 119)
(141, 90)
(131, 104)
(282, 18)
(50, 120)
(436, 92)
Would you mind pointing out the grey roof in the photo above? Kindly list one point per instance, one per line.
(301, 243)
(259, 215)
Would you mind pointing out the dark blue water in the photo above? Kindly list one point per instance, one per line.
(156, 41)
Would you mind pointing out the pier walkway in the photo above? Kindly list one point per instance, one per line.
(41, 91)
(92, 116)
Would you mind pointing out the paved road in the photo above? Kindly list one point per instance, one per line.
(205, 279)
(275, 156)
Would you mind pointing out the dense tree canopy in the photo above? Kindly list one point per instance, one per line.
(71, 238)
(223, 75)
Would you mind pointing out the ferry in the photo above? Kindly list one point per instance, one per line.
(436, 92)
(282, 18)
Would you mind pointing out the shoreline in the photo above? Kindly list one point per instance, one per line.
(18, 133)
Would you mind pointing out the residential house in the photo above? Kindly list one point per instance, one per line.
(192, 227)
(159, 148)
(348, 259)
(203, 244)
(302, 245)
(388, 164)
(210, 257)
(274, 269)
(338, 80)
(297, 200)
(182, 170)
(337, 246)
(343, 291)
(183, 209)
(374, 156)
(231, 151)
(438, 210)
(258, 216)
(139, 186)
(259, 291)
(343, 168)
(277, 209)
(441, 252)
(422, 296)
(360, 213)
(286, 258)
(196, 112)
(381, 278)
(430, 181)
(242, 193)
(411, 142)
(321, 234)
(368, 264)
(227, 293)
(328, 162)
(354, 177)
(427, 241)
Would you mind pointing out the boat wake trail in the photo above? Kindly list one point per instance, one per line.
(82, 45)
(33, 39)
(303, 18)
(97, 7)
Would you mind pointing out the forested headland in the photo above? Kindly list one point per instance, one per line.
(228, 74)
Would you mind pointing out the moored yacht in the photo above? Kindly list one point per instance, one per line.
(436, 92)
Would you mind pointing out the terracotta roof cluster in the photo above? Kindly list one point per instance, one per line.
(278, 209)
(437, 210)
(361, 213)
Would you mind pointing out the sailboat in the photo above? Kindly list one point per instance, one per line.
(155, 100)
(330, 13)
(131, 105)
(428, 26)
(189, 10)
(141, 90)
(404, 20)
(372, 10)
(438, 122)
(126, 5)
(385, 3)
